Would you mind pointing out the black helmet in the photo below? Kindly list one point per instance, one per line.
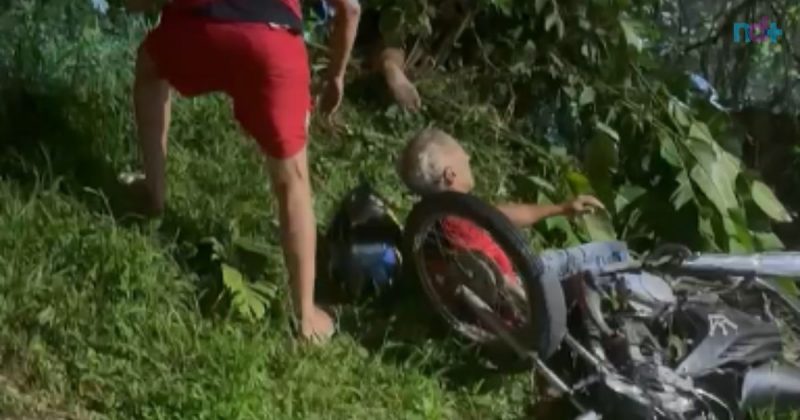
(363, 243)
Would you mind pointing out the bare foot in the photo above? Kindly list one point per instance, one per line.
(317, 327)
(403, 91)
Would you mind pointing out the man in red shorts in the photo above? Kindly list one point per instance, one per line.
(253, 50)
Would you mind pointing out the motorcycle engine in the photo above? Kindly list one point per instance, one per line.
(638, 352)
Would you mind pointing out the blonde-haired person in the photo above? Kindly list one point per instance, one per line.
(433, 161)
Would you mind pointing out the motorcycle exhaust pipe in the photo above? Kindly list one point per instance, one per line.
(767, 264)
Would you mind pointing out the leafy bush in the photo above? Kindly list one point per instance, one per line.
(584, 78)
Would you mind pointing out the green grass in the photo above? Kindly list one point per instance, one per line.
(98, 312)
(101, 315)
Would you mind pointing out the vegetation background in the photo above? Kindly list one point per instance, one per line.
(106, 316)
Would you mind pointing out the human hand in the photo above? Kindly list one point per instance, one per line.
(332, 96)
(582, 204)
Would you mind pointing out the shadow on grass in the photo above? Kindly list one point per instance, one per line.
(400, 327)
(44, 135)
(369, 90)
(47, 134)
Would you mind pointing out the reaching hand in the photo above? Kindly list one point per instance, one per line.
(332, 96)
(583, 204)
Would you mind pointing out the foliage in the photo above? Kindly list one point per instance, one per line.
(103, 315)
(100, 313)
(585, 78)
(698, 36)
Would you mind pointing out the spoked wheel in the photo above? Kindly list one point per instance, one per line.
(446, 239)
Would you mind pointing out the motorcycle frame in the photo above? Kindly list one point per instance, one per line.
(755, 269)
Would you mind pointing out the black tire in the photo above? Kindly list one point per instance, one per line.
(547, 306)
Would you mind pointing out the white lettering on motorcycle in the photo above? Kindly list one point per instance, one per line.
(722, 323)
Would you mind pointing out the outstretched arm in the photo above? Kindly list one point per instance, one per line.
(345, 26)
(525, 215)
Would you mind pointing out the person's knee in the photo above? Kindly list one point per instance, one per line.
(289, 176)
(145, 65)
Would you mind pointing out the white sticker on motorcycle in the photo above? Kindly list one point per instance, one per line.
(722, 323)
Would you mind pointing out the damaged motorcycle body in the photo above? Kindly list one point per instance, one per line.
(639, 350)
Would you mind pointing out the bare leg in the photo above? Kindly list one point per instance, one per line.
(291, 184)
(391, 63)
(152, 105)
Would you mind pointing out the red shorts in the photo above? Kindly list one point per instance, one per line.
(264, 70)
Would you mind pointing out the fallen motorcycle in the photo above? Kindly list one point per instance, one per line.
(672, 335)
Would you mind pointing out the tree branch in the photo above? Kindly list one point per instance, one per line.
(724, 22)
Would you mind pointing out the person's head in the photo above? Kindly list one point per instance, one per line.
(433, 161)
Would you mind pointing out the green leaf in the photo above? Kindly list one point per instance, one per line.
(669, 151)
(736, 227)
(629, 30)
(247, 302)
(250, 305)
(251, 246)
(683, 193)
(46, 316)
(587, 96)
(768, 241)
(700, 131)
(542, 183)
(562, 224)
(706, 230)
(678, 113)
(554, 19)
(579, 183)
(766, 201)
(718, 191)
(627, 194)
(787, 285)
(558, 223)
(606, 129)
(601, 158)
(598, 227)
(713, 174)
(265, 289)
(232, 278)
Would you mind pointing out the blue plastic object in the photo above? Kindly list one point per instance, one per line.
(706, 89)
(378, 261)
(700, 83)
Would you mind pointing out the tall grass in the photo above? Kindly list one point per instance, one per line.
(99, 312)
(102, 315)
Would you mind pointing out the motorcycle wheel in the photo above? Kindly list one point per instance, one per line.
(546, 308)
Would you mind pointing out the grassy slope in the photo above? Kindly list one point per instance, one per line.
(98, 315)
